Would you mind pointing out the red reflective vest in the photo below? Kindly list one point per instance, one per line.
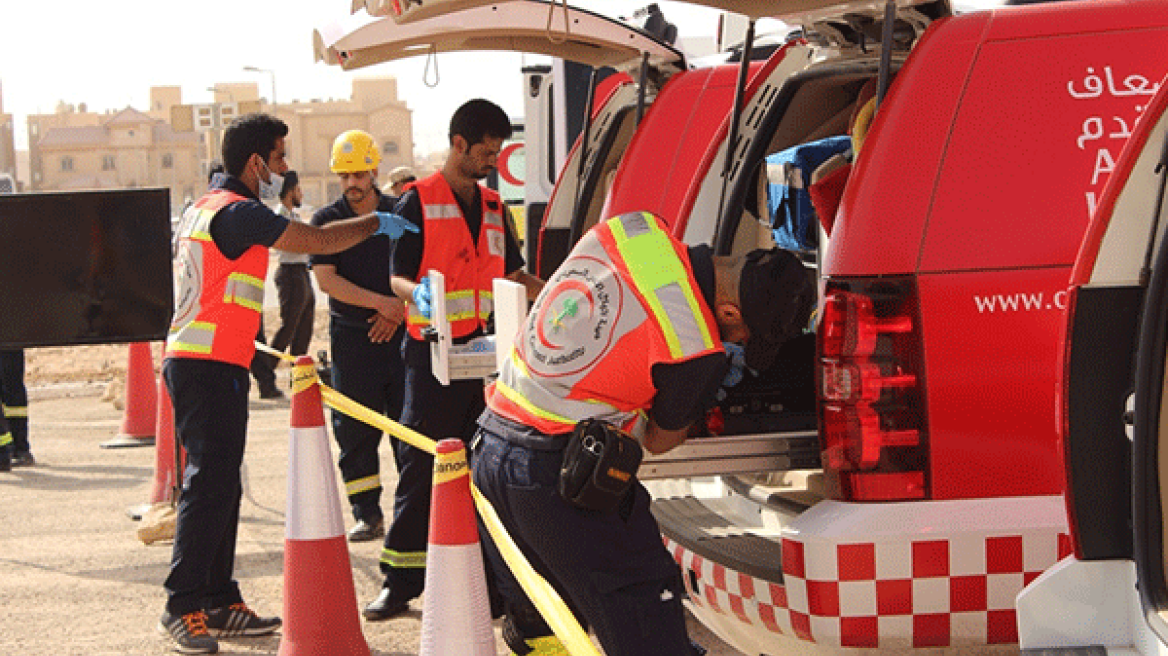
(467, 267)
(623, 301)
(217, 311)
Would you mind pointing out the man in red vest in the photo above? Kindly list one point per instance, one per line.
(464, 232)
(634, 333)
(223, 260)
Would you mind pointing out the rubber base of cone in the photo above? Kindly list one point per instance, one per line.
(320, 602)
(127, 441)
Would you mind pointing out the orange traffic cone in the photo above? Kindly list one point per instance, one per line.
(320, 602)
(138, 420)
(456, 612)
(167, 463)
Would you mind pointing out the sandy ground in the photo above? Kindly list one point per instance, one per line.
(73, 577)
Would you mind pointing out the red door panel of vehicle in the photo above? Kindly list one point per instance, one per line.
(662, 159)
(996, 209)
(990, 351)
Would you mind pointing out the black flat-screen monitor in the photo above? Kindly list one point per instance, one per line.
(85, 267)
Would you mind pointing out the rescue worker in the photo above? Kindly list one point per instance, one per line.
(365, 328)
(634, 330)
(14, 397)
(223, 260)
(398, 179)
(293, 282)
(464, 232)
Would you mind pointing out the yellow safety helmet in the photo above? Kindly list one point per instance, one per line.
(354, 151)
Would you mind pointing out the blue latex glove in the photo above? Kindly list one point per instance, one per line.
(737, 357)
(393, 225)
(422, 296)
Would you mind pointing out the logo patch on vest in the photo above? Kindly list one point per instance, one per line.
(189, 283)
(572, 327)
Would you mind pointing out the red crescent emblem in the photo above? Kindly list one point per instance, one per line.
(503, 168)
(567, 285)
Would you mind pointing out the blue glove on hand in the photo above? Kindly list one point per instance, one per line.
(393, 225)
(737, 357)
(422, 296)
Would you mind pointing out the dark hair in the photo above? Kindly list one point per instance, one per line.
(478, 119)
(291, 181)
(252, 134)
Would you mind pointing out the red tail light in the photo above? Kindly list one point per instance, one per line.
(872, 422)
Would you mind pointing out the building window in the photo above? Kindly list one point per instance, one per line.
(203, 118)
(389, 148)
(66, 163)
(167, 161)
(107, 163)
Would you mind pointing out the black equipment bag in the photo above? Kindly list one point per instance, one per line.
(599, 465)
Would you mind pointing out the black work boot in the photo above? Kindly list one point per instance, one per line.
(5, 458)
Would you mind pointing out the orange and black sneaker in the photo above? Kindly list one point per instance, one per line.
(189, 633)
(239, 620)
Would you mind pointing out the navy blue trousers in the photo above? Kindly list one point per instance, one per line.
(210, 418)
(370, 374)
(14, 397)
(437, 412)
(610, 568)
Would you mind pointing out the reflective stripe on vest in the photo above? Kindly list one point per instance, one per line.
(219, 301)
(245, 290)
(591, 339)
(663, 282)
(468, 268)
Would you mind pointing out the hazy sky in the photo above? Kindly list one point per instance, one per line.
(108, 54)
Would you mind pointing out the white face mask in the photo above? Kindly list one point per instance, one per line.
(270, 190)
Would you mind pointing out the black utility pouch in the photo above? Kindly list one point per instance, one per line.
(599, 465)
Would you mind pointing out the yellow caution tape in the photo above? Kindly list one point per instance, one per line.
(260, 346)
(338, 401)
(306, 376)
(450, 466)
(303, 377)
(555, 612)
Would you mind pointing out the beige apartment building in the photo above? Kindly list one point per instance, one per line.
(173, 144)
(7, 144)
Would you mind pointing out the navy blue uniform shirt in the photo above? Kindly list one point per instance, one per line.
(365, 265)
(239, 226)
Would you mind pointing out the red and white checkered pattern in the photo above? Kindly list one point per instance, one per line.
(928, 591)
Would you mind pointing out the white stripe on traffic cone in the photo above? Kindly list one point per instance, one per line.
(456, 612)
(320, 602)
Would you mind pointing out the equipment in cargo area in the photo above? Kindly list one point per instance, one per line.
(793, 218)
(481, 356)
(85, 267)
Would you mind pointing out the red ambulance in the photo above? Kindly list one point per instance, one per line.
(896, 480)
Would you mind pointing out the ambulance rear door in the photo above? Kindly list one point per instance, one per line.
(641, 62)
(513, 26)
